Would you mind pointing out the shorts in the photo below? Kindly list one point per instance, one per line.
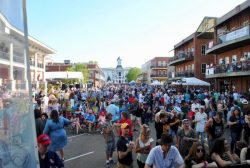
(110, 147)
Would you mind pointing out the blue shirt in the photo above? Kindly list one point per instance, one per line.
(172, 160)
(90, 118)
(114, 110)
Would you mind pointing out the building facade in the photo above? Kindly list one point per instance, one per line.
(116, 75)
(13, 61)
(155, 69)
(190, 59)
(231, 48)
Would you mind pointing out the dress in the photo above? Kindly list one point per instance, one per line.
(56, 133)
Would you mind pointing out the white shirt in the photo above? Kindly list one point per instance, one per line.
(201, 118)
(194, 106)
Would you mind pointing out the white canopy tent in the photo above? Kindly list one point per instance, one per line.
(191, 82)
(63, 75)
(156, 83)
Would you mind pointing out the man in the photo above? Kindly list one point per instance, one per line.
(90, 119)
(47, 158)
(124, 148)
(215, 128)
(109, 136)
(200, 120)
(164, 155)
(114, 110)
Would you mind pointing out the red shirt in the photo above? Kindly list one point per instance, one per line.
(129, 122)
(131, 99)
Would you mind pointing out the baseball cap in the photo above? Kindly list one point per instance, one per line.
(43, 139)
(124, 125)
(202, 107)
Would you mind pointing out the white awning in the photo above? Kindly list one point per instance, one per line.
(63, 75)
(191, 82)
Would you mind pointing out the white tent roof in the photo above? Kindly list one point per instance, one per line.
(156, 82)
(191, 81)
(63, 75)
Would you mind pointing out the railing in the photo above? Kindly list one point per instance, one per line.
(189, 73)
(229, 36)
(158, 75)
(4, 55)
(18, 59)
(188, 55)
(239, 66)
(158, 66)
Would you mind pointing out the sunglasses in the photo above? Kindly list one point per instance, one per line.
(199, 150)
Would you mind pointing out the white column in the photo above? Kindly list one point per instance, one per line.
(13, 82)
(25, 72)
(44, 76)
(37, 82)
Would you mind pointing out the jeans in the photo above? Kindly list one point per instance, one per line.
(235, 136)
(202, 134)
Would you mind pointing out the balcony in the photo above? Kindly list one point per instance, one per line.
(178, 75)
(241, 68)
(158, 76)
(158, 67)
(229, 41)
(180, 58)
(4, 55)
(18, 59)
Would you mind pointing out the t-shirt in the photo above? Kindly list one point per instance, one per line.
(122, 146)
(111, 136)
(51, 160)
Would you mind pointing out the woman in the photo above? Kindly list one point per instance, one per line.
(185, 138)
(143, 145)
(197, 157)
(245, 154)
(220, 153)
(235, 125)
(55, 129)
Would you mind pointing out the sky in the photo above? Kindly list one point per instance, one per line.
(103, 30)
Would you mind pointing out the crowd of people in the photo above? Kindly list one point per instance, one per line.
(194, 127)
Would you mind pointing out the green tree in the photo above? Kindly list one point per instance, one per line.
(133, 73)
(79, 68)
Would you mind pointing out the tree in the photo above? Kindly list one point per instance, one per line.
(79, 68)
(133, 73)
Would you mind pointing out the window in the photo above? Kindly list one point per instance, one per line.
(234, 58)
(120, 74)
(203, 68)
(203, 49)
(192, 66)
(246, 23)
(163, 63)
(227, 60)
(159, 63)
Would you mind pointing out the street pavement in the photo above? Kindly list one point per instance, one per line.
(88, 151)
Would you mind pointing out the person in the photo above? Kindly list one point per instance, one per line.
(55, 129)
(109, 137)
(215, 128)
(75, 123)
(125, 119)
(143, 145)
(165, 155)
(200, 120)
(185, 138)
(246, 134)
(39, 122)
(235, 125)
(220, 153)
(90, 119)
(197, 157)
(124, 148)
(47, 158)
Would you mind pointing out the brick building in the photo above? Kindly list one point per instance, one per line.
(155, 69)
(190, 59)
(231, 49)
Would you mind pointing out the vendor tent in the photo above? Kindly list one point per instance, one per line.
(156, 83)
(63, 75)
(191, 82)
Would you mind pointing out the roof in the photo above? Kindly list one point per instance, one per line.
(190, 37)
(63, 75)
(233, 12)
(32, 40)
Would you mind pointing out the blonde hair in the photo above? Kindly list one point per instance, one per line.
(144, 131)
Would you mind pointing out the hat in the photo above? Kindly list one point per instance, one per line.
(43, 139)
(244, 101)
(124, 125)
(185, 120)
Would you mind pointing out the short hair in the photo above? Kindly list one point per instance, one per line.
(166, 139)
